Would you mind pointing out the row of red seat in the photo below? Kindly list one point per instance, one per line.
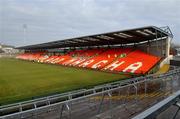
(135, 62)
(115, 60)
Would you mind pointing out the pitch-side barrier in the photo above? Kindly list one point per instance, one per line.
(67, 104)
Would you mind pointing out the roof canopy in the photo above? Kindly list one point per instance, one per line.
(136, 35)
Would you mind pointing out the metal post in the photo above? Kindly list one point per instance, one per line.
(178, 105)
(145, 87)
(156, 42)
(171, 84)
(178, 79)
(69, 110)
(34, 114)
(119, 95)
(20, 110)
(70, 103)
(48, 101)
(174, 117)
(61, 111)
(127, 96)
(110, 104)
(100, 105)
(94, 91)
(136, 92)
(161, 45)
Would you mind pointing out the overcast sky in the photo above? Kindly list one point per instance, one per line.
(50, 20)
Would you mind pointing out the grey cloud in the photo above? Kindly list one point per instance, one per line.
(49, 20)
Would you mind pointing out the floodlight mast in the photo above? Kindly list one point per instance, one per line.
(24, 33)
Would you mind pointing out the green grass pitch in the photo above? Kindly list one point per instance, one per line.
(23, 80)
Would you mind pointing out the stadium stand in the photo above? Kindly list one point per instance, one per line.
(127, 60)
(135, 62)
(117, 51)
(104, 58)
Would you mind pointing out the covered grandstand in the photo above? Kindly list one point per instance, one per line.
(135, 51)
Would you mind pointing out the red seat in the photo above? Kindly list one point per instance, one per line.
(135, 62)
(115, 59)
(103, 59)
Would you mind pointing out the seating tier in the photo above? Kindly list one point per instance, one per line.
(115, 59)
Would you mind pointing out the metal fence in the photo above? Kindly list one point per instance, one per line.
(118, 99)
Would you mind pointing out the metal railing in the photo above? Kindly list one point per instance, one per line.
(155, 110)
(98, 102)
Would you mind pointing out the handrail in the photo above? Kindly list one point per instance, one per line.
(81, 94)
(152, 112)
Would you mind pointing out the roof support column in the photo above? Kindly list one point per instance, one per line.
(168, 41)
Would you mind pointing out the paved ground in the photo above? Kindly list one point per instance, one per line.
(170, 113)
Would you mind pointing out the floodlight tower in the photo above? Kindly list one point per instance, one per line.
(24, 33)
